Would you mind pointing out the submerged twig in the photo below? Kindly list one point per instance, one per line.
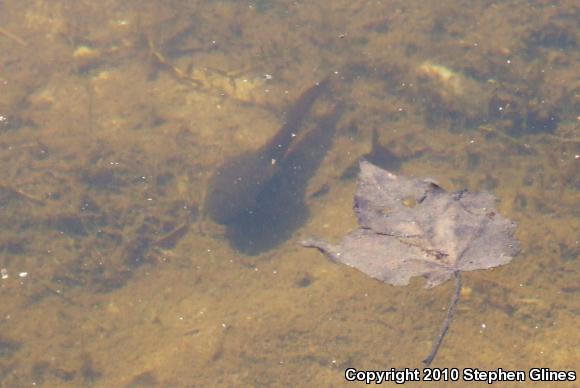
(21, 194)
(450, 313)
(15, 38)
(170, 239)
(565, 139)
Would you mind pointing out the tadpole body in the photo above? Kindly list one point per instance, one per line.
(235, 185)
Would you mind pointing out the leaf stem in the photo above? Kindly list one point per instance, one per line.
(445, 327)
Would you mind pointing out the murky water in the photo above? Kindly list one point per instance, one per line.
(114, 114)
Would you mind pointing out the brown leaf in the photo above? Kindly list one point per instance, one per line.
(413, 227)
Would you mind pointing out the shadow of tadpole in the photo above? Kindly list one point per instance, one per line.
(281, 208)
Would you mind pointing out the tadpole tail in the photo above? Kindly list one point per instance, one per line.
(294, 118)
(445, 327)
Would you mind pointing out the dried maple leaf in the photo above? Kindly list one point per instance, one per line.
(413, 227)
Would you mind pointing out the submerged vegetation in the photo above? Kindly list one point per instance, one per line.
(114, 118)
